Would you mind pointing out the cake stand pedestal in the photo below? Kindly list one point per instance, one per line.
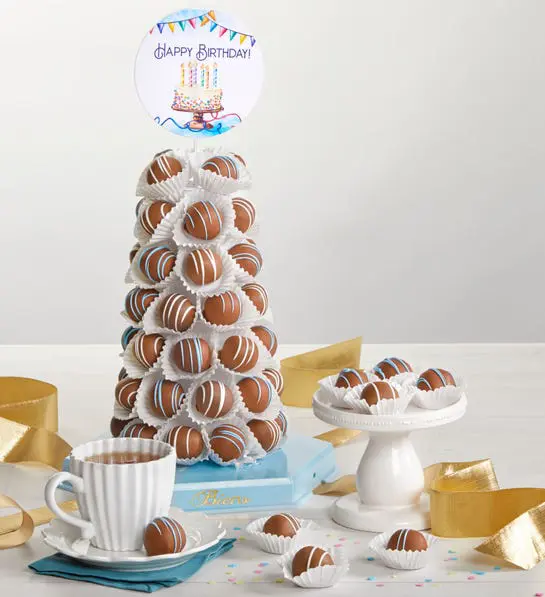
(198, 123)
(390, 478)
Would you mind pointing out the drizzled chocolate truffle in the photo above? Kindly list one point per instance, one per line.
(267, 337)
(282, 422)
(378, 390)
(256, 392)
(166, 398)
(137, 302)
(203, 220)
(228, 442)
(389, 367)
(177, 313)
(152, 215)
(147, 348)
(213, 399)
(125, 392)
(276, 379)
(187, 441)
(258, 296)
(116, 426)
(433, 379)
(128, 334)
(137, 429)
(222, 165)
(407, 540)
(348, 378)
(162, 168)
(310, 557)
(222, 309)
(192, 355)
(282, 525)
(239, 353)
(156, 262)
(267, 433)
(244, 213)
(164, 535)
(248, 257)
(203, 266)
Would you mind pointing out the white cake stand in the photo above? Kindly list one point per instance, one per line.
(389, 479)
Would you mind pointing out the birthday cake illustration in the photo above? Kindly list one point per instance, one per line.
(198, 90)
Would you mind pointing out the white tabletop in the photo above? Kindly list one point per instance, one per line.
(504, 422)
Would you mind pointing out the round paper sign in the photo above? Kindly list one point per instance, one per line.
(198, 72)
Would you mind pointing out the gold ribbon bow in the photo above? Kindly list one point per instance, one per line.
(28, 425)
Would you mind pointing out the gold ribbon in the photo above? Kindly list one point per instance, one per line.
(28, 425)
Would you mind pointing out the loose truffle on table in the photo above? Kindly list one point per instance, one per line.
(164, 535)
(267, 337)
(389, 367)
(177, 313)
(228, 442)
(258, 296)
(244, 213)
(139, 430)
(116, 426)
(282, 422)
(162, 168)
(222, 165)
(125, 392)
(239, 353)
(256, 392)
(203, 266)
(433, 379)
(147, 348)
(156, 262)
(203, 220)
(310, 557)
(166, 398)
(407, 540)
(282, 525)
(152, 215)
(137, 302)
(348, 378)
(187, 441)
(222, 309)
(378, 390)
(267, 433)
(247, 256)
(276, 379)
(128, 334)
(213, 399)
(192, 355)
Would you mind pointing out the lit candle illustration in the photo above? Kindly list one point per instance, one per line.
(182, 80)
(215, 76)
(202, 75)
(195, 74)
(207, 70)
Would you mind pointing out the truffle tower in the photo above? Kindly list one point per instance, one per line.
(199, 367)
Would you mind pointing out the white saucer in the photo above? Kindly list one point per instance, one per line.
(202, 532)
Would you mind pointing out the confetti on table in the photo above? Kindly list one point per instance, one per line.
(478, 572)
(497, 567)
(379, 584)
(258, 571)
(428, 580)
(538, 595)
(338, 545)
(451, 551)
(342, 538)
(356, 542)
(393, 575)
(242, 538)
(419, 584)
(452, 560)
(211, 582)
(370, 559)
(237, 529)
(329, 535)
(371, 578)
(232, 565)
(451, 573)
(279, 580)
(232, 579)
(470, 578)
(263, 564)
(239, 582)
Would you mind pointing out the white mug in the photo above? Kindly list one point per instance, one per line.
(116, 501)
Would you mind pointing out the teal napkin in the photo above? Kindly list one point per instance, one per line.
(146, 582)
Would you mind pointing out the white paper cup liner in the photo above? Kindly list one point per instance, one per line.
(163, 231)
(401, 560)
(182, 419)
(138, 276)
(335, 396)
(151, 319)
(171, 189)
(172, 372)
(274, 543)
(225, 282)
(246, 458)
(124, 414)
(440, 398)
(249, 315)
(408, 378)
(144, 398)
(264, 361)
(215, 183)
(320, 577)
(392, 406)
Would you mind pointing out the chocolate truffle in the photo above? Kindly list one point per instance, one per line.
(137, 301)
(378, 390)
(122, 374)
(389, 367)
(244, 213)
(282, 422)
(433, 379)
(192, 355)
(282, 525)
(228, 442)
(156, 262)
(239, 353)
(128, 335)
(213, 399)
(162, 168)
(203, 266)
(147, 348)
(267, 337)
(137, 429)
(125, 392)
(348, 378)
(276, 379)
(267, 433)
(153, 214)
(258, 296)
(203, 220)
(164, 535)
(256, 392)
(309, 557)
(187, 441)
(222, 309)
(116, 426)
(133, 251)
(248, 257)
(222, 165)
(407, 540)
(239, 158)
(166, 398)
(177, 313)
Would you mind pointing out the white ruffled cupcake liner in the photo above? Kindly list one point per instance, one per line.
(403, 379)
(222, 284)
(320, 577)
(182, 419)
(172, 372)
(151, 320)
(440, 398)
(124, 414)
(389, 406)
(274, 543)
(143, 281)
(246, 458)
(401, 559)
(171, 189)
(335, 396)
(144, 398)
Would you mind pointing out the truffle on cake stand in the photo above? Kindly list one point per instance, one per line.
(198, 123)
(390, 478)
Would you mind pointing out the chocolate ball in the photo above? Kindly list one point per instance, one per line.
(222, 309)
(276, 379)
(228, 442)
(267, 433)
(203, 266)
(378, 390)
(407, 540)
(239, 353)
(309, 557)
(177, 313)
(128, 334)
(187, 441)
(258, 296)
(192, 355)
(203, 220)
(116, 426)
(348, 378)
(282, 525)
(433, 379)
(137, 302)
(156, 262)
(282, 422)
(389, 367)
(213, 399)
(222, 165)
(244, 213)
(147, 348)
(122, 374)
(267, 337)
(166, 398)
(162, 168)
(256, 392)
(125, 392)
(139, 430)
(133, 251)
(239, 158)
(152, 215)
(164, 535)
(248, 257)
